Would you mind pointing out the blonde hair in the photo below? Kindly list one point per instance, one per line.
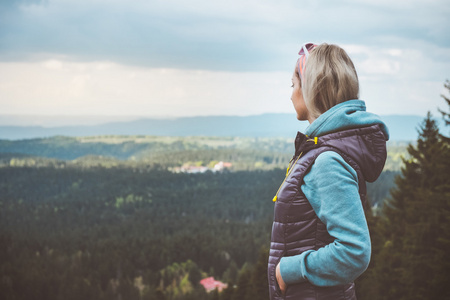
(329, 78)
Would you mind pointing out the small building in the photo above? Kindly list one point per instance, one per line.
(210, 284)
(222, 165)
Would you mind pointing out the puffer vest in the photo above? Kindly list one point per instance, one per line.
(296, 227)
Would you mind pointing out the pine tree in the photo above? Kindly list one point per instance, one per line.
(214, 295)
(259, 282)
(446, 115)
(228, 293)
(414, 234)
(244, 285)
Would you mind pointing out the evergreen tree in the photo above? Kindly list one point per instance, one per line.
(244, 286)
(228, 293)
(446, 115)
(259, 276)
(409, 260)
(214, 295)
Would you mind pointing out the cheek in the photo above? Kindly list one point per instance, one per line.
(296, 94)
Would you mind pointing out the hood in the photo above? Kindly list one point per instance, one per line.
(364, 146)
(352, 132)
(346, 115)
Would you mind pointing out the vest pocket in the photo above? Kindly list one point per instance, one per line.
(273, 275)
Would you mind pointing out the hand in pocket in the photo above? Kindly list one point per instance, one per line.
(280, 281)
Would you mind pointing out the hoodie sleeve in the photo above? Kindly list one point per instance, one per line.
(331, 186)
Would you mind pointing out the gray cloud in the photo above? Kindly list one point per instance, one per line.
(149, 37)
(11, 4)
(257, 36)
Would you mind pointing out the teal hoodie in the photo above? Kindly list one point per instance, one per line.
(331, 186)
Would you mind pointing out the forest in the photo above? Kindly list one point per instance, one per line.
(76, 229)
(108, 218)
(246, 153)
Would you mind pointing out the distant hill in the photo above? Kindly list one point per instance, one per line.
(266, 125)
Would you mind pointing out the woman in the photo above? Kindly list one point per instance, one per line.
(320, 240)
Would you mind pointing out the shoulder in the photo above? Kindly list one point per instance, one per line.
(330, 180)
(330, 165)
(328, 157)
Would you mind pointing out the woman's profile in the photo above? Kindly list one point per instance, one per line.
(320, 239)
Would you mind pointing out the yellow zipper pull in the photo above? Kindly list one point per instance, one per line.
(315, 140)
(287, 174)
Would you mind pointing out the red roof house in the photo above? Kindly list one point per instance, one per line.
(210, 284)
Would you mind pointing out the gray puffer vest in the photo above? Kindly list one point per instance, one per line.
(296, 227)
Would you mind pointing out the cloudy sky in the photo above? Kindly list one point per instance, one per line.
(188, 58)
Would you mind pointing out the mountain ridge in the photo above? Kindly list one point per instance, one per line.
(401, 127)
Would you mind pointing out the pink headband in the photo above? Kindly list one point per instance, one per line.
(304, 53)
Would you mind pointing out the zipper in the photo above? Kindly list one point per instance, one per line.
(289, 170)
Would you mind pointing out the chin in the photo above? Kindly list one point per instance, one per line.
(301, 118)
